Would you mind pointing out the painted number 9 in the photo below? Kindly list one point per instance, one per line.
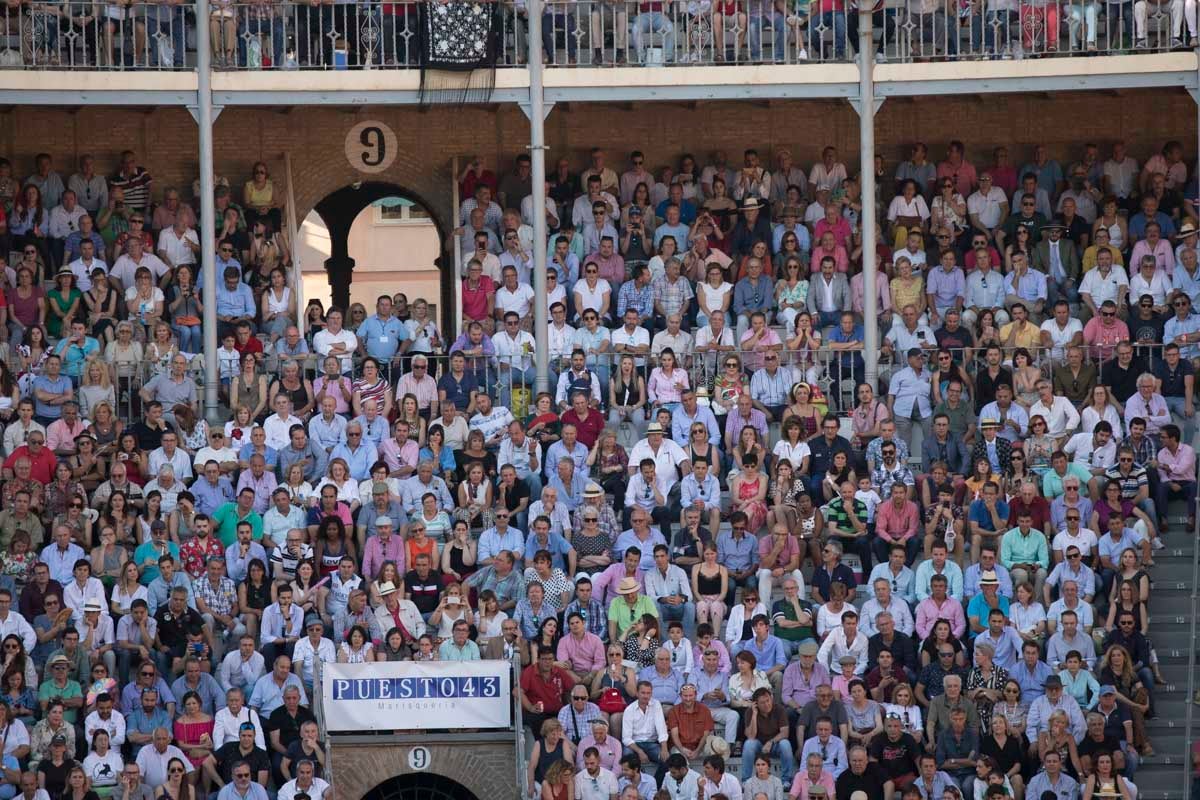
(419, 759)
(373, 139)
(371, 146)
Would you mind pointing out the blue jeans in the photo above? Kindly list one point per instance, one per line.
(191, 337)
(984, 29)
(821, 22)
(1189, 423)
(166, 21)
(652, 750)
(756, 28)
(1056, 292)
(651, 28)
(684, 612)
(249, 25)
(783, 749)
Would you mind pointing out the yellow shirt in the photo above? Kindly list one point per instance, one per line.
(1089, 257)
(258, 198)
(1029, 339)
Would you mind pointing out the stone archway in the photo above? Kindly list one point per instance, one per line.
(420, 786)
(467, 765)
(339, 208)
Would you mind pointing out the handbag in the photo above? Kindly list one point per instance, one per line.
(611, 701)
(187, 321)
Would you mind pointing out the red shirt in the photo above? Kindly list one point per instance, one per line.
(251, 345)
(549, 691)
(41, 466)
(588, 430)
(1039, 509)
(474, 301)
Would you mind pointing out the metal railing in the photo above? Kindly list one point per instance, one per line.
(378, 35)
(615, 32)
(90, 35)
(1015, 29)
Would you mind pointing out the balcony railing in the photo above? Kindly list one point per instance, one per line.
(602, 33)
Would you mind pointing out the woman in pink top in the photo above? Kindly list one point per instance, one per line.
(667, 381)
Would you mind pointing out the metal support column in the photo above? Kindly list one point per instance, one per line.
(866, 146)
(537, 154)
(204, 121)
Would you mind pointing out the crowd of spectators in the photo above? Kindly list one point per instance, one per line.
(697, 552)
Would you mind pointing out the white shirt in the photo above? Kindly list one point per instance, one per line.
(669, 456)
(277, 431)
(316, 791)
(83, 272)
(1061, 417)
(175, 246)
(1158, 287)
(154, 764)
(324, 340)
(604, 785)
(17, 624)
(835, 646)
(305, 656)
(1081, 447)
(76, 597)
(1061, 337)
(514, 351)
(114, 725)
(727, 786)
(226, 726)
(126, 268)
(559, 340)
(898, 609)
(587, 297)
(1085, 540)
(647, 725)
(639, 337)
(987, 207)
(519, 300)
(1103, 287)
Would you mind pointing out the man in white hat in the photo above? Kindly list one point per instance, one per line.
(396, 612)
(627, 608)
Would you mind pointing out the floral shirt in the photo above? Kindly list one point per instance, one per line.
(195, 554)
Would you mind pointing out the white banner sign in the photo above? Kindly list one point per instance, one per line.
(406, 695)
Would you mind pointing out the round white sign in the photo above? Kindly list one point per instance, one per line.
(371, 146)
(419, 759)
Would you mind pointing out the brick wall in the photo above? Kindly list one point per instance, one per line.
(166, 141)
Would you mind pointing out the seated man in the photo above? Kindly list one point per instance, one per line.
(1177, 474)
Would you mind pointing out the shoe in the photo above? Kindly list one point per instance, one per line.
(1164, 526)
(1191, 523)
(1147, 751)
(1196, 697)
(1157, 543)
(1176, 43)
(1140, 44)
(1091, 47)
(802, 55)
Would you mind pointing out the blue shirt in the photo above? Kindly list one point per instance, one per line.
(630, 539)
(236, 303)
(735, 554)
(382, 337)
(666, 688)
(1189, 325)
(753, 296)
(74, 356)
(1031, 684)
(359, 460)
(45, 384)
(978, 513)
(557, 546)
(253, 792)
(208, 497)
(769, 654)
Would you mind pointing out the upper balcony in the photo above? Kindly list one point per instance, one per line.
(357, 53)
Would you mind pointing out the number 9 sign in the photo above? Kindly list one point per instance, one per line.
(371, 146)
(419, 759)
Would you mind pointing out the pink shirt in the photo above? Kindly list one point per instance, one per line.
(583, 656)
(840, 258)
(963, 176)
(1104, 338)
(840, 230)
(753, 359)
(856, 294)
(604, 585)
(896, 525)
(376, 552)
(929, 612)
(425, 390)
(801, 784)
(790, 548)
(1178, 467)
(396, 456)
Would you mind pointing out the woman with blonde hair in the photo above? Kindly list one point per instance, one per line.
(559, 781)
(550, 748)
(97, 388)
